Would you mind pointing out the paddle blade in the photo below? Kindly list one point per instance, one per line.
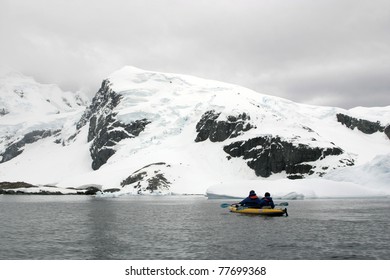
(283, 204)
(225, 205)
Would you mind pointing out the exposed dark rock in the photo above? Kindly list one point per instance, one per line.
(15, 185)
(113, 190)
(133, 178)
(299, 169)
(364, 126)
(105, 130)
(107, 133)
(3, 112)
(387, 131)
(217, 131)
(14, 188)
(19, 92)
(204, 126)
(110, 131)
(105, 98)
(150, 179)
(100, 157)
(347, 162)
(42, 192)
(269, 155)
(16, 148)
(157, 181)
(295, 177)
(153, 164)
(91, 190)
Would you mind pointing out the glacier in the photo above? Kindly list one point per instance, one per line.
(156, 133)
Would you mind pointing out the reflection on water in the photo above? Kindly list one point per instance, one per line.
(80, 227)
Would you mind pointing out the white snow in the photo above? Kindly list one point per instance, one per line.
(28, 105)
(175, 103)
(298, 189)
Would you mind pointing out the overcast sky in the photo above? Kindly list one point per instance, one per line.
(322, 52)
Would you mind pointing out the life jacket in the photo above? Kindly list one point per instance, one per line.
(265, 202)
(253, 197)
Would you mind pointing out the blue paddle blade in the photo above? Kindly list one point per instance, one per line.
(225, 205)
(283, 204)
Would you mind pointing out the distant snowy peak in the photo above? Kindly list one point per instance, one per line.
(157, 95)
(31, 111)
(20, 95)
(133, 76)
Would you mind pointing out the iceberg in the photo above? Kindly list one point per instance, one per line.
(295, 189)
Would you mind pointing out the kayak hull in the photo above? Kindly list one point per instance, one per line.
(257, 211)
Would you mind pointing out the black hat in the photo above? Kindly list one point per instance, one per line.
(267, 194)
(252, 192)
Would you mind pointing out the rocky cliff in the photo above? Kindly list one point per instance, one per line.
(365, 126)
(105, 130)
(148, 132)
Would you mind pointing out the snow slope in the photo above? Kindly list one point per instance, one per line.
(174, 105)
(26, 106)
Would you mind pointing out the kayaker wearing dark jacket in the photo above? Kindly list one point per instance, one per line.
(251, 201)
(267, 201)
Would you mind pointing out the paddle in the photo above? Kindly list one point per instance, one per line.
(226, 205)
(282, 204)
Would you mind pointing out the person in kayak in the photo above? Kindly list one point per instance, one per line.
(266, 201)
(252, 200)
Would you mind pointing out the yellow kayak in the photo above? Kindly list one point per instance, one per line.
(263, 211)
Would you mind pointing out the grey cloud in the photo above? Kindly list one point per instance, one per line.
(323, 52)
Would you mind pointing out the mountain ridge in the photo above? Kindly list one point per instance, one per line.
(148, 132)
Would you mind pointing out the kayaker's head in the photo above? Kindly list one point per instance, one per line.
(252, 193)
(267, 194)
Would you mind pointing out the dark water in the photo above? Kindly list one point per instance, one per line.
(78, 227)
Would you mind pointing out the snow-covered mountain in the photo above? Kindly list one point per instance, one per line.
(30, 111)
(148, 132)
